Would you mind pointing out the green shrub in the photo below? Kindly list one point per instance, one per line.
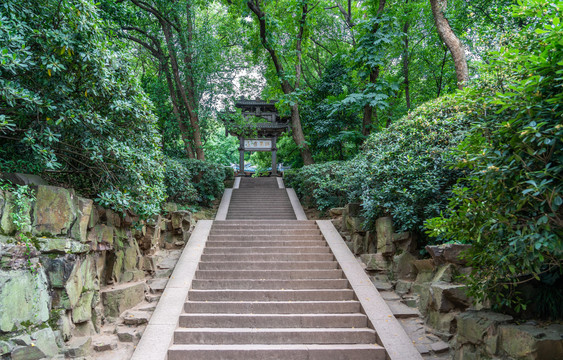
(509, 206)
(177, 179)
(207, 178)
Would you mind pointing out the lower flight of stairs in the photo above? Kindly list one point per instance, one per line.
(271, 290)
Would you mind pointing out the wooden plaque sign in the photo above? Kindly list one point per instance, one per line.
(257, 145)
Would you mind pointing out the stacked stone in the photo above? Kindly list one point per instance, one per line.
(83, 265)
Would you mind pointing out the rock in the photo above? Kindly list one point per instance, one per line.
(101, 234)
(389, 296)
(532, 342)
(375, 262)
(24, 179)
(128, 334)
(382, 286)
(104, 343)
(46, 341)
(445, 273)
(476, 326)
(403, 287)
(403, 267)
(84, 329)
(444, 322)
(54, 211)
(423, 291)
(167, 263)
(58, 270)
(123, 297)
(7, 226)
(181, 220)
(405, 242)
(65, 325)
(27, 353)
(113, 219)
(445, 297)
(24, 298)
(411, 301)
(384, 228)
(355, 224)
(94, 216)
(359, 243)
(62, 246)
(440, 347)
(157, 286)
(116, 259)
(425, 270)
(130, 259)
(5, 347)
(82, 312)
(132, 275)
(448, 253)
(82, 277)
(80, 228)
(335, 212)
(79, 346)
(354, 209)
(136, 318)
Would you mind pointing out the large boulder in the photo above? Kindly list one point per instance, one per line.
(24, 179)
(376, 262)
(80, 228)
(24, 299)
(62, 246)
(119, 298)
(448, 253)
(54, 211)
(446, 297)
(82, 311)
(7, 225)
(101, 237)
(403, 266)
(82, 279)
(532, 342)
(384, 228)
(59, 269)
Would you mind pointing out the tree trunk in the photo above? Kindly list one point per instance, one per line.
(406, 64)
(374, 74)
(451, 40)
(194, 121)
(184, 131)
(296, 127)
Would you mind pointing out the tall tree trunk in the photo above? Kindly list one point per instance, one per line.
(184, 131)
(374, 74)
(406, 64)
(194, 121)
(297, 129)
(451, 40)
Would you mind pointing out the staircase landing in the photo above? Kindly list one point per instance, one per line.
(261, 284)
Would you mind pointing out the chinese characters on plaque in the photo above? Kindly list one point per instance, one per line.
(258, 144)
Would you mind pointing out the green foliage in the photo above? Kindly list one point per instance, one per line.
(177, 179)
(207, 178)
(71, 105)
(509, 205)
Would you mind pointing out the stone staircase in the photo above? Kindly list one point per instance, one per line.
(271, 290)
(260, 198)
(258, 284)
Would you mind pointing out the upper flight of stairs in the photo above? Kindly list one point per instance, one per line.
(271, 290)
(260, 198)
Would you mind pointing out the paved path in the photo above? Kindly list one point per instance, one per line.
(259, 284)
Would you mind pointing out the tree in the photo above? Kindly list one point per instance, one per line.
(451, 40)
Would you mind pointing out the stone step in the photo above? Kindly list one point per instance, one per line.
(269, 274)
(267, 250)
(273, 307)
(220, 225)
(268, 265)
(258, 223)
(272, 320)
(224, 336)
(278, 352)
(258, 243)
(267, 257)
(271, 238)
(271, 295)
(270, 284)
(266, 232)
(260, 217)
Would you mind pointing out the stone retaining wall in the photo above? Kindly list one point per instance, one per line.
(81, 265)
(435, 286)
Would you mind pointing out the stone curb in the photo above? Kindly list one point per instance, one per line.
(236, 184)
(281, 185)
(297, 208)
(390, 333)
(159, 333)
(225, 203)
